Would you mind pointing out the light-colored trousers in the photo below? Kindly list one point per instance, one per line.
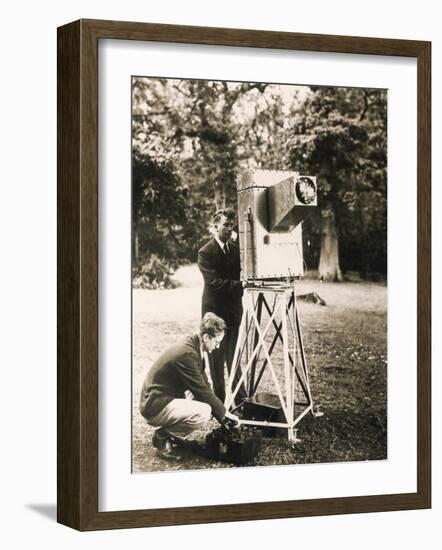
(182, 416)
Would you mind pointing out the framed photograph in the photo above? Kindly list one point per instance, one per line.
(243, 275)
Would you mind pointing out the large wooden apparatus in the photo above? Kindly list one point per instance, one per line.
(271, 207)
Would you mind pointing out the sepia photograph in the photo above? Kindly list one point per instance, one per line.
(259, 274)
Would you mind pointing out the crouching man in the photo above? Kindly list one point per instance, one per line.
(179, 371)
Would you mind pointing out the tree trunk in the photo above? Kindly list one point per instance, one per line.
(329, 269)
(136, 245)
(220, 195)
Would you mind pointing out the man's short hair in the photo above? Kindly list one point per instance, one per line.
(227, 212)
(212, 325)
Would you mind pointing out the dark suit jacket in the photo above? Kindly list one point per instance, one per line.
(178, 369)
(222, 286)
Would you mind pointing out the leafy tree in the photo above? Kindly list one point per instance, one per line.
(191, 138)
(204, 132)
(159, 207)
(340, 135)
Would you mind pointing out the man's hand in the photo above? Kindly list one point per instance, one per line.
(232, 418)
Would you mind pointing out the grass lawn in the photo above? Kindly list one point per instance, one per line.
(346, 351)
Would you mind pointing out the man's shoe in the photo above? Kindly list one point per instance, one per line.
(166, 444)
(170, 452)
(159, 438)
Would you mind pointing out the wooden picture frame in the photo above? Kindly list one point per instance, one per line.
(77, 225)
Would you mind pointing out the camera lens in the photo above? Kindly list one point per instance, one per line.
(305, 190)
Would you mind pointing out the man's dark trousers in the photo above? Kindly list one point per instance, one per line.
(222, 295)
(226, 353)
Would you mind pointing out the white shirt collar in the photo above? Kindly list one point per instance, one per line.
(204, 356)
(221, 243)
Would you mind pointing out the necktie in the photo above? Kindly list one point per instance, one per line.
(225, 248)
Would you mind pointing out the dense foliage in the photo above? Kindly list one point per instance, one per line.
(340, 134)
(191, 138)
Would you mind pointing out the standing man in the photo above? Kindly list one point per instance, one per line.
(219, 264)
(177, 372)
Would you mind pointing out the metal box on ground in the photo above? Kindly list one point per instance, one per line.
(238, 446)
(265, 407)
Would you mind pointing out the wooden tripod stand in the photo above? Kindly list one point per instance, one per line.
(270, 337)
